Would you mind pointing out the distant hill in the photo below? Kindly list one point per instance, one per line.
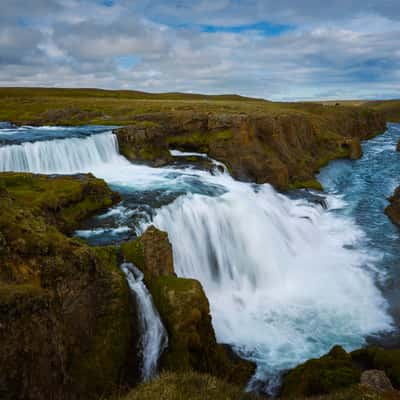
(123, 94)
(62, 106)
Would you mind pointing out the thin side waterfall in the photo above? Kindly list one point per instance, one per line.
(154, 338)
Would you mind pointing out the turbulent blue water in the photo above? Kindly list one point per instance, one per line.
(287, 277)
(364, 186)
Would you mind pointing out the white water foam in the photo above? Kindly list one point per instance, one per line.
(283, 278)
(87, 233)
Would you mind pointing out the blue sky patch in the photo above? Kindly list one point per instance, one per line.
(127, 62)
(265, 28)
(107, 3)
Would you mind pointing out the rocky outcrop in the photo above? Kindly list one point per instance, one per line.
(393, 210)
(152, 253)
(327, 374)
(185, 311)
(367, 371)
(377, 380)
(65, 308)
(282, 148)
(387, 360)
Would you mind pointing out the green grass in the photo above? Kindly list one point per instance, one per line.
(108, 107)
(185, 386)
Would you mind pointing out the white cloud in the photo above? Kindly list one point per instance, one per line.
(332, 51)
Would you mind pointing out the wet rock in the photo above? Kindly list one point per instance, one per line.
(158, 257)
(354, 147)
(144, 142)
(398, 146)
(151, 253)
(376, 379)
(393, 210)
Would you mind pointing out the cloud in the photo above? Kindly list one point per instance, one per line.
(280, 50)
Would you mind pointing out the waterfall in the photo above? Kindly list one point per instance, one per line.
(61, 156)
(285, 278)
(153, 340)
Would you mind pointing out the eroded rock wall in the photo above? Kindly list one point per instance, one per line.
(281, 148)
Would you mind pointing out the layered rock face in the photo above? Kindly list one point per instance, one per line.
(281, 148)
(185, 311)
(393, 210)
(65, 308)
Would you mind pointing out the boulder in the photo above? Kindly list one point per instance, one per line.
(151, 253)
(387, 360)
(376, 379)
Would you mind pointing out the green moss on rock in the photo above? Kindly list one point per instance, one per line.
(184, 308)
(387, 360)
(327, 374)
(133, 252)
(65, 311)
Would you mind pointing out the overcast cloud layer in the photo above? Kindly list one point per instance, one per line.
(281, 50)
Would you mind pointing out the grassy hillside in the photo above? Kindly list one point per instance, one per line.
(120, 107)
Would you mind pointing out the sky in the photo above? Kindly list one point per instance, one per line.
(274, 49)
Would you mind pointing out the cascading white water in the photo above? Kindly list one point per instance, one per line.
(63, 156)
(283, 282)
(286, 279)
(154, 339)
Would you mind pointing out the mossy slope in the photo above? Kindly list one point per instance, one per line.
(338, 374)
(189, 385)
(65, 310)
(327, 374)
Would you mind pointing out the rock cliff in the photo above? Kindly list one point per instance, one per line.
(281, 148)
(65, 308)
